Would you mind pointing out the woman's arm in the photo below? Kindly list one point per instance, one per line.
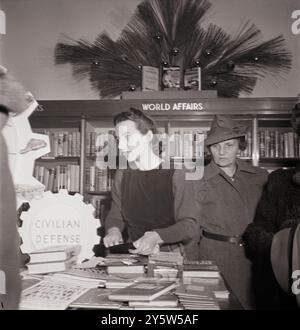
(114, 217)
(186, 210)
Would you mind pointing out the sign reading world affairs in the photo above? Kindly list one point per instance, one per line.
(60, 219)
(179, 106)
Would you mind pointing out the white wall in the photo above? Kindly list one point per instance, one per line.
(35, 26)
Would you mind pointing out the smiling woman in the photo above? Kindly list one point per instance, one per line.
(153, 203)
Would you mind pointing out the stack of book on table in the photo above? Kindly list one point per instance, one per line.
(215, 285)
(204, 268)
(165, 265)
(195, 296)
(147, 293)
(53, 259)
(118, 281)
(91, 277)
(166, 301)
(96, 299)
(125, 264)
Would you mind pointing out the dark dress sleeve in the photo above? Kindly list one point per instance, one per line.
(114, 217)
(259, 234)
(186, 211)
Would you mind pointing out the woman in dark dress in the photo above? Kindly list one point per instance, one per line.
(278, 208)
(153, 203)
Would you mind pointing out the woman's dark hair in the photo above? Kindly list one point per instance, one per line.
(143, 122)
(295, 118)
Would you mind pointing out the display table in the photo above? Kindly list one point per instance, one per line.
(230, 303)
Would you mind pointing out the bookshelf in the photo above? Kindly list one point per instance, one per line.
(91, 118)
(60, 168)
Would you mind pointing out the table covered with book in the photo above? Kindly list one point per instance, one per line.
(127, 282)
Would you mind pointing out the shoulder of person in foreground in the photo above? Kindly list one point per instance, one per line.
(259, 234)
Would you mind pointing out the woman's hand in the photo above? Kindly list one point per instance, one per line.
(147, 244)
(113, 237)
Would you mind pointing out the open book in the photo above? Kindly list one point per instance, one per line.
(50, 294)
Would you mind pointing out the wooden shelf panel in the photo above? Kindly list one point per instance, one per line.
(59, 159)
(105, 109)
(279, 160)
(99, 192)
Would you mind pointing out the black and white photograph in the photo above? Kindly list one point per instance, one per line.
(149, 158)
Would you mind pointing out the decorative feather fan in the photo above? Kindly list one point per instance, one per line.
(168, 33)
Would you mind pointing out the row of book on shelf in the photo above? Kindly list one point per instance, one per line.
(190, 143)
(186, 142)
(97, 142)
(121, 281)
(58, 177)
(63, 143)
(101, 205)
(97, 179)
(276, 144)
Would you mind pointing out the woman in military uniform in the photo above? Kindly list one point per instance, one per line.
(228, 195)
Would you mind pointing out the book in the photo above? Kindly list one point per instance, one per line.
(50, 294)
(125, 264)
(126, 269)
(96, 299)
(165, 265)
(93, 277)
(54, 253)
(144, 290)
(171, 77)
(216, 285)
(204, 268)
(195, 296)
(167, 300)
(150, 78)
(192, 79)
(51, 267)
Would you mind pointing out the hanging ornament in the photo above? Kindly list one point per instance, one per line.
(197, 62)
(164, 63)
(213, 82)
(95, 62)
(174, 51)
(256, 59)
(208, 52)
(140, 67)
(231, 65)
(132, 87)
(158, 37)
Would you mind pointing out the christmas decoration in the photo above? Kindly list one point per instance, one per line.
(170, 33)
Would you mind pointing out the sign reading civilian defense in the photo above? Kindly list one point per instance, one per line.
(59, 219)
